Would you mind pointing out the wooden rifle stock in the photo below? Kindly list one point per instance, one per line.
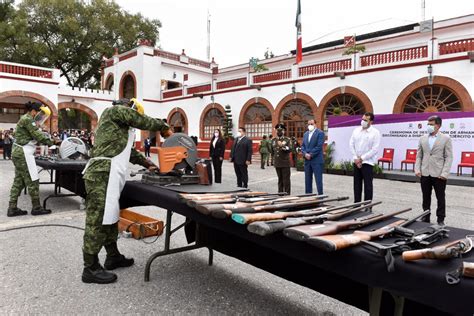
(183, 197)
(206, 209)
(450, 250)
(337, 242)
(304, 232)
(468, 269)
(265, 228)
(260, 217)
(293, 205)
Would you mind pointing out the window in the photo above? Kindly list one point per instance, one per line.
(295, 115)
(343, 104)
(432, 99)
(178, 122)
(128, 87)
(258, 121)
(213, 120)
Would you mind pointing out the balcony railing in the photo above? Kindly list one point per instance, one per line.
(328, 67)
(273, 76)
(26, 71)
(459, 46)
(199, 89)
(172, 93)
(394, 56)
(231, 83)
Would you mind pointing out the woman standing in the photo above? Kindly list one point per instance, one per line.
(27, 135)
(216, 152)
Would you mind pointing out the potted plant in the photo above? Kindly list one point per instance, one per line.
(378, 172)
(348, 167)
(337, 168)
(299, 164)
(328, 156)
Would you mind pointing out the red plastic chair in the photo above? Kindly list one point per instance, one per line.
(467, 161)
(410, 158)
(387, 157)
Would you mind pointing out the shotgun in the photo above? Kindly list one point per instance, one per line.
(453, 249)
(183, 197)
(304, 232)
(268, 197)
(265, 218)
(269, 227)
(206, 208)
(466, 270)
(300, 203)
(336, 242)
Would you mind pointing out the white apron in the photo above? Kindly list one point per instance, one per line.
(29, 152)
(117, 176)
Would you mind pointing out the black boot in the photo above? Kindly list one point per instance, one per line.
(115, 259)
(15, 211)
(94, 273)
(39, 210)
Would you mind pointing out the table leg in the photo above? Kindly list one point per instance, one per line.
(168, 251)
(375, 301)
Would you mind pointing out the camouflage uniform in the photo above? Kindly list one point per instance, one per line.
(264, 152)
(26, 131)
(281, 149)
(111, 139)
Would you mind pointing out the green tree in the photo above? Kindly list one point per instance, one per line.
(70, 35)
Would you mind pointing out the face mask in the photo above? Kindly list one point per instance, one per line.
(280, 133)
(364, 124)
(430, 129)
(310, 128)
(216, 134)
(239, 134)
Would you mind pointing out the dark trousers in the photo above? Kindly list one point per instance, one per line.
(241, 171)
(363, 175)
(313, 168)
(439, 185)
(7, 151)
(217, 163)
(147, 151)
(284, 179)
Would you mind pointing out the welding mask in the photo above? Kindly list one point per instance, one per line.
(137, 106)
(42, 115)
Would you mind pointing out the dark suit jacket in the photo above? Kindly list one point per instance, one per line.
(241, 151)
(218, 151)
(315, 146)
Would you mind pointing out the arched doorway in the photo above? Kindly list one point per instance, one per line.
(12, 108)
(443, 95)
(128, 85)
(212, 118)
(343, 101)
(77, 116)
(295, 110)
(178, 121)
(256, 117)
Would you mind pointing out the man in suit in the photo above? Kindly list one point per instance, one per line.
(312, 150)
(241, 156)
(433, 163)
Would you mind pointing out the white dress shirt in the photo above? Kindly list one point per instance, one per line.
(309, 135)
(365, 144)
(431, 140)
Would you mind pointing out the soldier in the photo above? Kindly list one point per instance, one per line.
(264, 150)
(104, 178)
(27, 135)
(281, 149)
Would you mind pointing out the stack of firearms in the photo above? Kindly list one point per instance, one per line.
(225, 205)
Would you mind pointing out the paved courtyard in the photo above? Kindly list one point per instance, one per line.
(40, 268)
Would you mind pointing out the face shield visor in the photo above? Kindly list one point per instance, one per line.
(42, 115)
(137, 106)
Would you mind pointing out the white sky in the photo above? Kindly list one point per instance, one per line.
(241, 29)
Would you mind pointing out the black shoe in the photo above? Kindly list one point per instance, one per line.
(425, 219)
(114, 262)
(441, 223)
(40, 211)
(15, 211)
(98, 275)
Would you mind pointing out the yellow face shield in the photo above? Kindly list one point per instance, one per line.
(137, 106)
(42, 115)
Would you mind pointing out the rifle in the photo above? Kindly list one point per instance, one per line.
(453, 249)
(270, 196)
(295, 204)
(304, 232)
(466, 269)
(419, 239)
(205, 208)
(272, 219)
(183, 197)
(336, 242)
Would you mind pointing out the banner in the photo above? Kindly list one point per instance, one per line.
(402, 132)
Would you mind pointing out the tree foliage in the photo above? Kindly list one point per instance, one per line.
(70, 35)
